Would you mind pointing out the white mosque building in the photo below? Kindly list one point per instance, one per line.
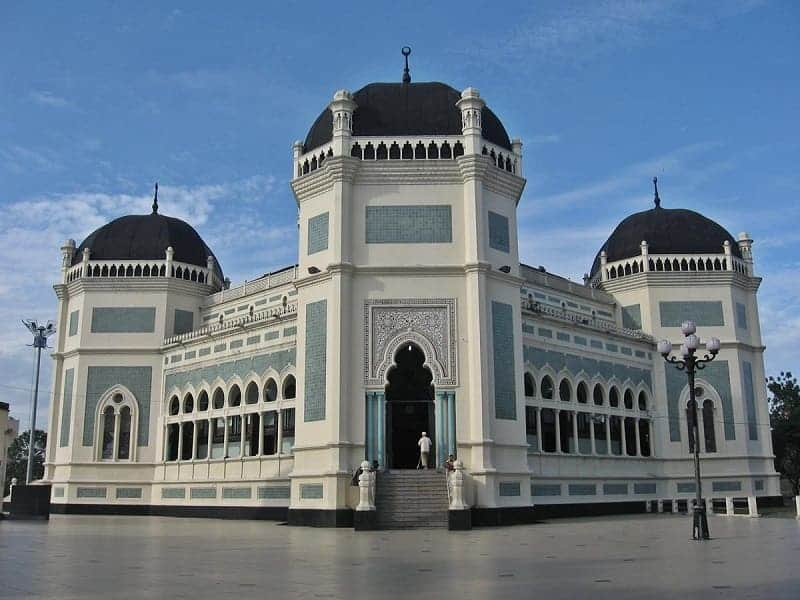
(176, 393)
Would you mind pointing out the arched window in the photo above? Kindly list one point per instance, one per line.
(565, 391)
(270, 391)
(107, 449)
(547, 388)
(598, 395)
(530, 386)
(629, 399)
(202, 401)
(219, 398)
(289, 388)
(116, 427)
(613, 397)
(642, 401)
(583, 393)
(709, 436)
(251, 395)
(188, 403)
(235, 396)
(174, 406)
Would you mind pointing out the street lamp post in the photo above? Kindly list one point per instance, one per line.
(691, 364)
(40, 335)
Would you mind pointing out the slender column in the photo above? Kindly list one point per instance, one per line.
(624, 437)
(115, 446)
(242, 433)
(539, 429)
(591, 433)
(451, 421)
(226, 424)
(380, 398)
(558, 430)
(279, 425)
(369, 432)
(608, 435)
(180, 441)
(638, 439)
(210, 438)
(440, 402)
(261, 433)
(575, 432)
(194, 440)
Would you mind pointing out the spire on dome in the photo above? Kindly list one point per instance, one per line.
(406, 50)
(155, 200)
(656, 199)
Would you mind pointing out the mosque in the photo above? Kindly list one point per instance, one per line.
(178, 393)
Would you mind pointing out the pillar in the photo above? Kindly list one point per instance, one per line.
(180, 441)
(624, 437)
(558, 430)
(539, 429)
(260, 433)
(575, 431)
(210, 438)
(440, 410)
(638, 438)
(729, 506)
(451, 424)
(380, 421)
(752, 506)
(675, 506)
(194, 440)
(593, 449)
(660, 506)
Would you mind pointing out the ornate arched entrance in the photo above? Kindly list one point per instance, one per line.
(409, 407)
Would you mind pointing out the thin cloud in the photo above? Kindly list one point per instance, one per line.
(46, 98)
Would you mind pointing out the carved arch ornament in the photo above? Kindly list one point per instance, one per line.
(428, 323)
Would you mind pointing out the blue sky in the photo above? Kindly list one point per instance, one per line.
(100, 99)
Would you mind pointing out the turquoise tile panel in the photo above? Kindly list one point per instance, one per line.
(274, 492)
(726, 486)
(289, 331)
(750, 400)
(253, 339)
(129, 493)
(596, 344)
(509, 488)
(236, 344)
(115, 319)
(632, 316)
(758, 485)
(318, 233)
(66, 409)
(498, 232)
(686, 487)
(717, 374)
(548, 333)
(582, 489)
(316, 360)
(173, 492)
(184, 321)
(73, 322)
(505, 394)
(741, 316)
(271, 335)
(58, 492)
(580, 341)
(99, 379)
(409, 224)
(237, 493)
(564, 337)
(202, 493)
(546, 489)
(204, 351)
(92, 492)
(704, 313)
(229, 369)
(615, 489)
(644, 488)
(311, 491)
(190, 355)
(626, 351)
(220, 347)
(528, 328)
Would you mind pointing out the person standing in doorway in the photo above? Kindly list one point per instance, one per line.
(424, 444)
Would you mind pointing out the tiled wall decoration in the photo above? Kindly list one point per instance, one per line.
(750, 400)
(318, 233)
(741, 316)
(545, 489)
(173, 492)
(66, 409)
(227, 370)
(644, 488)
(58, 492)
(632, 316)
(717, 375)
(726, 486)
(509, 488)
(129, 493)
(202, 493)
(316, 360)
(505, 396)
(582, 489)
(498, 232)
(237, 493)
(274, 492)
(539, 357)
(73, 322)
(615, 489)
(115, 319)
(686, 487)
(184, 321)
(311, 491)
(409, 224)
(91, 492)
(137, 379)
(704, 313)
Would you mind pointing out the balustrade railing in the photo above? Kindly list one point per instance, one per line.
(143, 269)
(581, 319)
(269, 281)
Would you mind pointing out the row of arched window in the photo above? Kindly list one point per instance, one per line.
(546, 390)
(185, 273)
(252, 395)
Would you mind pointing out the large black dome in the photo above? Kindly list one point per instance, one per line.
(415, 109)
(666, 231)
(147, 237)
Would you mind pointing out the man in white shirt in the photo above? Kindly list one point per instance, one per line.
(424, 444)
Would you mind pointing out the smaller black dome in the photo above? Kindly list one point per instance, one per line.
(412, 109)
(147, 237)
(666, 231)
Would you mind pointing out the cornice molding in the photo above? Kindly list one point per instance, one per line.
(650, 279)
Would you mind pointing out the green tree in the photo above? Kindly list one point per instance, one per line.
(784, 417)
(17, 465)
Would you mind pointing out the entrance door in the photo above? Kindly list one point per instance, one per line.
(409, 403)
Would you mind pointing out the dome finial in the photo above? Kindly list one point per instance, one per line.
(656, 199)
(406, 50)
(155, 200)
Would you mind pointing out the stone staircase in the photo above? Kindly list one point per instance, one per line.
(411, 499)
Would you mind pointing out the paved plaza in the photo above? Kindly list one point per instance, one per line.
(612, 557)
